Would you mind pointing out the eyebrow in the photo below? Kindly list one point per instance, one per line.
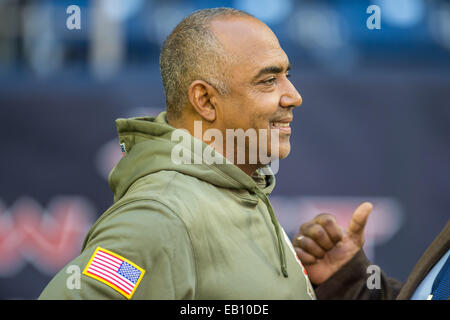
(269, 70)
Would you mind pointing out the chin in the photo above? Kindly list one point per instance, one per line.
(283, 151)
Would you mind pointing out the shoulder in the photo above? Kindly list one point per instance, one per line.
(138, 222)
(143, 237)
(164, 184)
(179, 193)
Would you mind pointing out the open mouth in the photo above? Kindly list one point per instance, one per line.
(282, 125)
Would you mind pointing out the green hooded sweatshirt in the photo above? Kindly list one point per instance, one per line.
(182, 230)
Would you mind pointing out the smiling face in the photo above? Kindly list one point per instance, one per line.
(260, 95)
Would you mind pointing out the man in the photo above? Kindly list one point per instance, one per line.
(199, 230)
(337, 265)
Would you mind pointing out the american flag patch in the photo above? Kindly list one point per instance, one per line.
(115, 271)
(123, 149)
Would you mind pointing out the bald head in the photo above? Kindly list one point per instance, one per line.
(242, 36)
(192, 52)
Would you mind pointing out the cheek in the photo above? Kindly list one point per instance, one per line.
(262, 112)
(267, 106)
(251, 109)
(236, 113)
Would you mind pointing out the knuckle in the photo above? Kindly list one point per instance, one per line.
(305, 227)
(312, 247)
(325, 216)
(307, 244)
(336, 236)
(319, 253)
(305, 257)
(297, 239)
(318, 233)
(328, 222)
(302, 242)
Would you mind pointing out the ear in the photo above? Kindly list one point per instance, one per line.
(201, 94)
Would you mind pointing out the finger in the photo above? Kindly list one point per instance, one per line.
(305, 257)
(359, 219)
(328, 222)
(305, 227)
(297, 238)
(319, 235)
(310, 246)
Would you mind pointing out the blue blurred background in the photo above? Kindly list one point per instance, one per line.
(374, 124)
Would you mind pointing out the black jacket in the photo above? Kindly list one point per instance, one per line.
(350, 282)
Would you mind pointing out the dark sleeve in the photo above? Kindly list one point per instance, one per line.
(350, 283)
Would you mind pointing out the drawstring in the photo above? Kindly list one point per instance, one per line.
(263, 197)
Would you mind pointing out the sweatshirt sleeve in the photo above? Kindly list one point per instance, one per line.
(145, 233)
(350, 283)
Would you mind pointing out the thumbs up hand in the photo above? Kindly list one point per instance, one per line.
(324, 247)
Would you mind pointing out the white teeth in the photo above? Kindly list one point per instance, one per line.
(280, 124)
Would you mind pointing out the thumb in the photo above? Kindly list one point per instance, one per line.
(359, 219)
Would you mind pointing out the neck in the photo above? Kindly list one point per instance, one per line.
(249, 169)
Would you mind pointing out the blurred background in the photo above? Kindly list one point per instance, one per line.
(374, 124)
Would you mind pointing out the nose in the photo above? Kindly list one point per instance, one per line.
(291, 97)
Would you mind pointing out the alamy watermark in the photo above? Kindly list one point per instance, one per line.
(374, 20)
(73, 21)
(73, 281)
(241, 147)
(374, 280)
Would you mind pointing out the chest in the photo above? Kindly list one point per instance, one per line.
(237, 257)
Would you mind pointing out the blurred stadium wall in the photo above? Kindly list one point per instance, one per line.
(374, 124)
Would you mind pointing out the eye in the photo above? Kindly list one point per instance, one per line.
(270, 81)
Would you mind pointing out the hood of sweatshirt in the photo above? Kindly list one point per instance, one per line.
(150, 145)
